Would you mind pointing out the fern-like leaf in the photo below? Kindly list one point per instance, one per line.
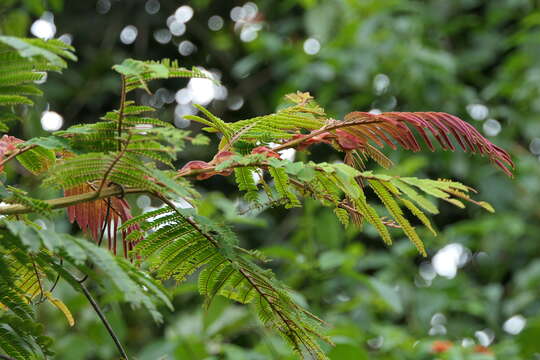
(24, 61)
(395, 127)
(178, 243)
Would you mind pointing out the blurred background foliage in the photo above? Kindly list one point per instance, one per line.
(476, 296)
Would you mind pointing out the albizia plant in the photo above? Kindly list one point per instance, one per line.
(98, 166)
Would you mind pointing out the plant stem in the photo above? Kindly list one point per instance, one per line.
(72, 200)
(121, 111)
(17, 153)
(105, 322)
(332, 126)
(41, 293)
(111, 167)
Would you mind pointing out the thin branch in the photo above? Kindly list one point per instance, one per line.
(113, 164)
(121, 110)
(247, 275)
(190, 221)
(72, 200)
(57, 277)
(41, 293)
(342, 205)
(16, 153)
(332, 126)
(105, 322)
(114, 190)
(194, 172)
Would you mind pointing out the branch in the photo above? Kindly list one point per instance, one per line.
(121, 110)
(113, 164)
(105, 322)
(16, 153)
(72, 200)
(341, 204)
(41, 296)
(329, 127)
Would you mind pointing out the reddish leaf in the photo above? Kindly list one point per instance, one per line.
(198, 164)
(221, 157)
(8, 145)
(321, 138)
(92, 216)
(395, 127)
(348, 141)
(265, 151)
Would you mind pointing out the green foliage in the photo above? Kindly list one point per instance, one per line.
(37, 159)
(138, 73)
(177, 244)
(19, 196)
(133, 152)
(32, 257)
(304, 114)
(339, 186)
(23, 61)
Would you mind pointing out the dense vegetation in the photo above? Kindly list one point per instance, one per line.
(158, 213)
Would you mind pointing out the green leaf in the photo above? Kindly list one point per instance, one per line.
(37, 160)
(131, 67)
(6, 100)
(50, 143)
(51, 50)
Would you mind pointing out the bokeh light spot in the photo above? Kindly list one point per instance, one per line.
(177, 28)
(492, 127)
(103, 6)
(43, 29)
(51, 121)
(248, 34)
(478, 111)
(448, 259)
(237, 13)
(215, 23)
(66, 38)
(152, 6)
(128, 35)
(312, 46)
(534, 146)
(184, 13)
(485, 337)
(381, 83)
(235, 102)
(202, 91)
(162, 36)
(515, 324)
(186, 48)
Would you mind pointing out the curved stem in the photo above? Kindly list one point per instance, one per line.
(17, 153)
(332, 126)
(113, 164)
(105, 322)
(121, 110)
(41, 293)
